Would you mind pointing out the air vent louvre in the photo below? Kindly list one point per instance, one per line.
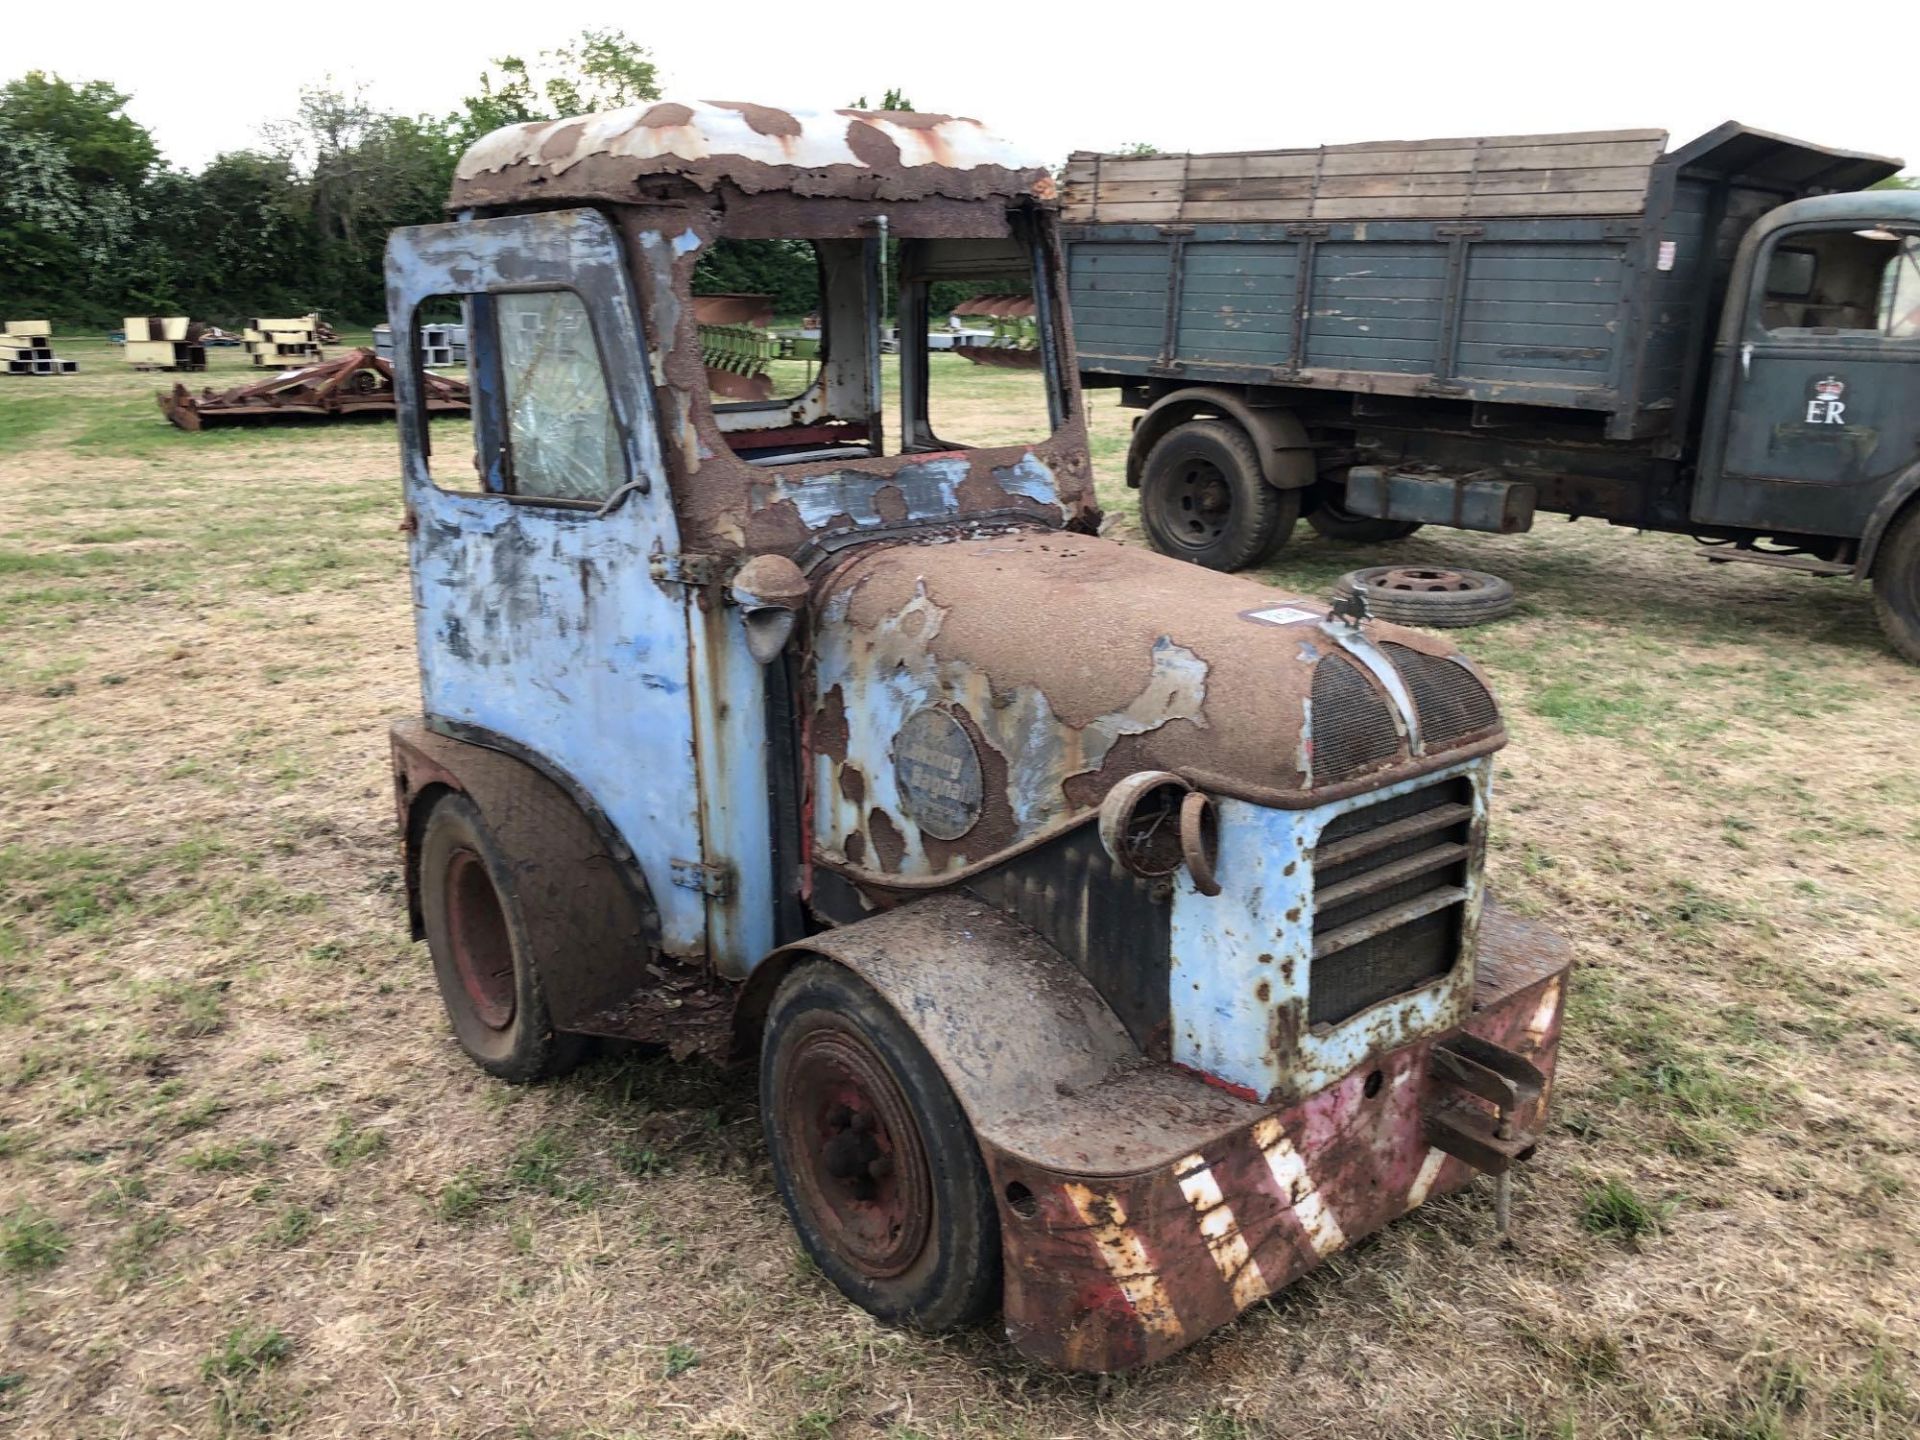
(1389, 890)
(1352, 727)
(1451, 702)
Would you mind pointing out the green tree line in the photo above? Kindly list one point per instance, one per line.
(96, 225)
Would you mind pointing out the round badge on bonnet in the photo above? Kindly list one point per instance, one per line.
(938, 772)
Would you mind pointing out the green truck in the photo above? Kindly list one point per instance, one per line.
(1720, 340)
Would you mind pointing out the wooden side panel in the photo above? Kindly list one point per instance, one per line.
(1375, 305)
(1118, 292)
(1603, 173)
(1237, 302)
(1541, 312)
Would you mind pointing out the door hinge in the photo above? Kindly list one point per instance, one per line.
(695, 570)
(715, 881)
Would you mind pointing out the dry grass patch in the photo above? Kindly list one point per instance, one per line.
(248, 1185)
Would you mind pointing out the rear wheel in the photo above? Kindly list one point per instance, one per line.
(1331, 519)
(1204, 498)
(873, 1157)
(1896, 584)
(481, 957)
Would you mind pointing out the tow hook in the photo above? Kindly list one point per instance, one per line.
(1467, 1065)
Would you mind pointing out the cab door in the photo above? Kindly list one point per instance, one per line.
(1815, 404)
(543, 629)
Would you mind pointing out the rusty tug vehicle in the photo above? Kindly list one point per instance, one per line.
(1113, 933)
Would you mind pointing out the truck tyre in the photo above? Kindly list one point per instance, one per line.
(873, 1156)
(481, 957)
(1896, 584)
(1437, 598)
(1204, 498)
(1334, 522)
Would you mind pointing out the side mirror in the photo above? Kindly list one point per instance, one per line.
(770, 591)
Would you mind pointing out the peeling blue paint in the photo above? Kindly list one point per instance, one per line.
(1242, 959)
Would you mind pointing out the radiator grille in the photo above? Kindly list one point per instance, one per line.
(1450, 701)
(1389, 890)
(1352, 726)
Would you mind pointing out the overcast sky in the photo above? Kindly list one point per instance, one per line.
(1203, 75)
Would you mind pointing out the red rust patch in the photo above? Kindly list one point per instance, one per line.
(665, 116)
(562, 141)
(761, 119)
(853, 784)
(887, 842)
(872, 148)
(830, 725)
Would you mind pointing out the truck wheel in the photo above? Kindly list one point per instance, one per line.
(1203, 498)
(1896, 584)
(873, 1157)
(1337, 523)
(480, 953)
(1437, 598)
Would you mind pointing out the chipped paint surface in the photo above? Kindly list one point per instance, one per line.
(1242, 959)
(1119, 1272)
(756, 147)
(540, 624)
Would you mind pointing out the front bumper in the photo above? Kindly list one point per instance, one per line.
(1110, 1269)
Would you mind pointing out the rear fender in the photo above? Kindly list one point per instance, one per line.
(1286, 454)
(588, 914)
(1904, 490)
(1008, 1019)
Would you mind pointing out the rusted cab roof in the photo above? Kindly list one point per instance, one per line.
(844, 154)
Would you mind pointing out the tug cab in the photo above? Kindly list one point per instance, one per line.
(1111, 934)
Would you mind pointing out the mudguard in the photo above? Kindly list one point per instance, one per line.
(1007, 1018)
(1286, 454)
(587, 912)
(1904, 490)
(1141, 1207)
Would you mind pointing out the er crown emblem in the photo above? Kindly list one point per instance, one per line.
(1824, 405)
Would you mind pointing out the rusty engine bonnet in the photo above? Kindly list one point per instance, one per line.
(1071, 662)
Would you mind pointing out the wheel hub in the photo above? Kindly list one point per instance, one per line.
(859, 1166)
(1197, 505)
(478, 936)
(1423, 581)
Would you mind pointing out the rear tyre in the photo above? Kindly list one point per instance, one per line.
(1429, 595)
(1204, 498)
(1896, 584)
(1332, 520)
(481, 957)
(873, 1157)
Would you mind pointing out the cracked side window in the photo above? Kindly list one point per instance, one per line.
(560, 431)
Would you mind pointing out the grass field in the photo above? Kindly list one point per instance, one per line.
(248, 1185)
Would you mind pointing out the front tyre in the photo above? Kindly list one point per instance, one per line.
(481, 957)
(1896, 584)
(1204, 498)
(873, 1157)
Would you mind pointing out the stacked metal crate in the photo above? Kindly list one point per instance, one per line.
(283, 344)
(27, 348)
(159, 342)
(442, 347)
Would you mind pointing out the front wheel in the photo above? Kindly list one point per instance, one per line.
(1204, 498)
(481, 957)
(1896, 584)
(873, 1157)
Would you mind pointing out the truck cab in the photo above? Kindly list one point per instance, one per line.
(1111, 935)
